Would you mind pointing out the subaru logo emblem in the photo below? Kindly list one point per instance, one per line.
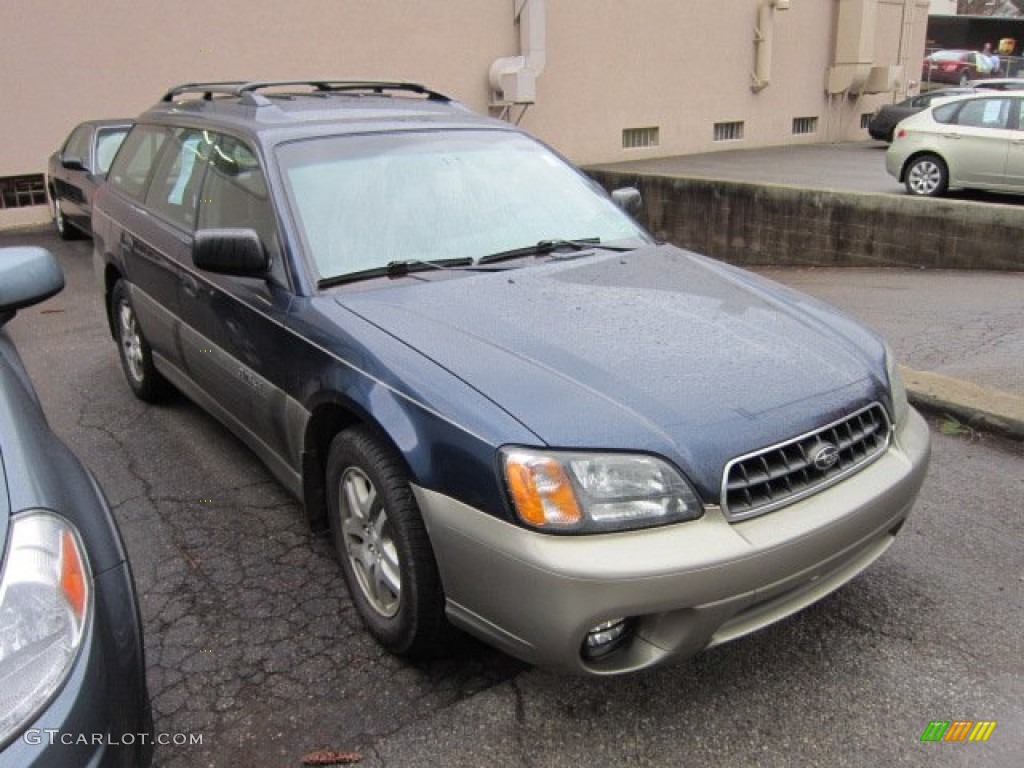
(825, 457)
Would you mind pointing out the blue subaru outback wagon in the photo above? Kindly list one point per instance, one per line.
(515, 411)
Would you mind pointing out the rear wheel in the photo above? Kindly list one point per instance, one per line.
(135, 352)
(926, 176)
(382, 545)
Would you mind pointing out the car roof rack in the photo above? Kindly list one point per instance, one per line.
(247, 90)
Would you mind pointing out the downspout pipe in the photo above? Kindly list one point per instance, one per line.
(513, 79)
(764, 32)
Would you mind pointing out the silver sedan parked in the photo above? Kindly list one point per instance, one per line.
(974, 142)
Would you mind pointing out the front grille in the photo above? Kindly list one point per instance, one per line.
(773, 477)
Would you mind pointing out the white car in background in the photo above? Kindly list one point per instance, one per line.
(973, 142)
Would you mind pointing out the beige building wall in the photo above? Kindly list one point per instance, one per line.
(679, 65)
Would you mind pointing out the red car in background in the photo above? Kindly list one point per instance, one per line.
(956, 67)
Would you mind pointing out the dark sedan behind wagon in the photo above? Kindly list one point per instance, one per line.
(76, 169)
(883, 122)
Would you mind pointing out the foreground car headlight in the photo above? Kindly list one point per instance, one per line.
(45, 601)
(596, 492)
(897, 389)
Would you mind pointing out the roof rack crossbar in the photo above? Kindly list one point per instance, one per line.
(326, 85)
(207, 89)
(244, 89)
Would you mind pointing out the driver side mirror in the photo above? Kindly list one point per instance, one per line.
(238, 252)
(72, 163)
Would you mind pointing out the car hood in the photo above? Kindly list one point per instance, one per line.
(655, 350)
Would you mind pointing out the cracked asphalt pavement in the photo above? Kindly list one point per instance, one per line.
(252, 641)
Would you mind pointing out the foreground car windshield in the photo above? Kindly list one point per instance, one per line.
(362, 202)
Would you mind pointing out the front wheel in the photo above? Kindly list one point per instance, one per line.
(60, 222)
(382, 545)
(926, 176)
(135, 352)
(965, 78)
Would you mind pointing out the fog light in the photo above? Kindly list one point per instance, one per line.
(605, 638)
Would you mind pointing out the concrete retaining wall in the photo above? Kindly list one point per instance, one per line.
(759, 224)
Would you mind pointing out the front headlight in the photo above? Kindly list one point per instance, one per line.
(45, 601)
(595, 492)
(897, 389)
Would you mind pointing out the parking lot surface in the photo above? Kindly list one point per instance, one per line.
(252, 642)
(853, 166)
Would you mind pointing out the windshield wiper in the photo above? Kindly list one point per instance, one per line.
(405, 266)
(397, 269)
(544, 247)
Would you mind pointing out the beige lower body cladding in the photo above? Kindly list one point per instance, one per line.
(762, 224)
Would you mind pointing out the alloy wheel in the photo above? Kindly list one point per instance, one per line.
(369, 542)
(131, 341)
(924, 177)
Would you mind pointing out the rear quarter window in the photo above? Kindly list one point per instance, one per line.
(135, 159)
(945, 114)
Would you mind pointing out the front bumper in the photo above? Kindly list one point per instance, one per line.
(685, 587)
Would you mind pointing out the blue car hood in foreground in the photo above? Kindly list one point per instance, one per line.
(654, 350)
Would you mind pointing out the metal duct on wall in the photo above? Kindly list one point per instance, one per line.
(513, 79)
(854, 51)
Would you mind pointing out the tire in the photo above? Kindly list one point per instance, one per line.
(965, 78)
(926, 176)
(64, 230)
(136, 355)
(382, 545)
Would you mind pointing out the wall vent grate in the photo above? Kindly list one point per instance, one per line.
(729, 131)
(22, 191)
(639, 138)
(804, 125)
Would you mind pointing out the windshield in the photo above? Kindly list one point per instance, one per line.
(362, 202)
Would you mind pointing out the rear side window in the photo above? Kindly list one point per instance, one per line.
(135, 160)
(984, 113)
(174, 192)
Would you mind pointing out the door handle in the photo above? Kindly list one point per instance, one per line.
(952, 136)
(190, 285)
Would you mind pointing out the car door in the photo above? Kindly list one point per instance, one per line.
(131, 236)
(976, 146)
(69, 181)
(163, 243)
(1015, 152)
(233, 335)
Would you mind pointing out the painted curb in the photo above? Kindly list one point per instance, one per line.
(976, 406)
